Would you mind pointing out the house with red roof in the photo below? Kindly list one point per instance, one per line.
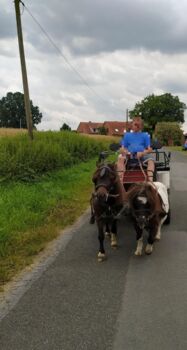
(89, 128)
(113, 128)
(116, 128)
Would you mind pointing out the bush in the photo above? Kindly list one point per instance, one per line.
(169, 134)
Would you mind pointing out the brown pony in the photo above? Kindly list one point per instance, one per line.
(148, 211)
(106, 203)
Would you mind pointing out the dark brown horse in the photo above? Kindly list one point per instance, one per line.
(106, 203)
(149, 207)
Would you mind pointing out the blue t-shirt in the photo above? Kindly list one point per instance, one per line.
(136, 141)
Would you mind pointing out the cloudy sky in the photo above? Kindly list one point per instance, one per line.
(92, 60)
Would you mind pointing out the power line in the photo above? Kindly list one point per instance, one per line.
(65, 58)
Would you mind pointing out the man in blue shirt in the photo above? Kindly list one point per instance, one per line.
(136, 143)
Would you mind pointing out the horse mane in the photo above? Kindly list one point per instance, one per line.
(112, 168)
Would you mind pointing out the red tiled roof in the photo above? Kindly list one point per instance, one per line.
(89, 127)
(114, 128)
(117, 128)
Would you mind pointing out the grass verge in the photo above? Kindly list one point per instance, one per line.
(177, 148)
(33, 214)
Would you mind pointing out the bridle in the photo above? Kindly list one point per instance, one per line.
(135, 213)
(143, 215)
(107, 187)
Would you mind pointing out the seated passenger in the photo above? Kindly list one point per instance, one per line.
(136, 142)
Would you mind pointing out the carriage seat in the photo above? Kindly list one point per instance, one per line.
(133, 173)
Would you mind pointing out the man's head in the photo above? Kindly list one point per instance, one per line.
(137, 124)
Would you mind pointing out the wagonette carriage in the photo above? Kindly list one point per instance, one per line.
(148, 201)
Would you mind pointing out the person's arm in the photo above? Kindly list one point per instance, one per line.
(147, 150)
(123, 150)
(148, 147)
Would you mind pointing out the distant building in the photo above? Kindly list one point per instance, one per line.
(117, 128)
(114, 128)
(89, 128)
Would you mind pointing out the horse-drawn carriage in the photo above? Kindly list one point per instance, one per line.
(147, 203)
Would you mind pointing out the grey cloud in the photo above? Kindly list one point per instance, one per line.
(108, 26)
(108, 43)
(174, 86)
(7, 25)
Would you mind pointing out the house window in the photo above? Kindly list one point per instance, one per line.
(96, 131)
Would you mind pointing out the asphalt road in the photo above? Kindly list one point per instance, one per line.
(70, 301)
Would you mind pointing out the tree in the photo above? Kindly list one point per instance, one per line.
(65, 127)
(12, 111)
(169, 133)
(162, 108)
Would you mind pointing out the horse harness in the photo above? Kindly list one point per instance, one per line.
(147, 218)
(109, 211)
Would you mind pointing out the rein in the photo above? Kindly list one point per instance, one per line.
(143, 172)
(141, 168)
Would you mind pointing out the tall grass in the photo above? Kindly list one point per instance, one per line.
(23, 159)
(11, 131)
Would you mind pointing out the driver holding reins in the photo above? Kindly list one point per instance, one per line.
(136, 144)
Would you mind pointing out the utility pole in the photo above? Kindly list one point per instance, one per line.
(24, 70)
(127, 119)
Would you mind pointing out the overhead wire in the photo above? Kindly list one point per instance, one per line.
(65, 58)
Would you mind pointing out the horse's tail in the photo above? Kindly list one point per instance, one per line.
(92, 217)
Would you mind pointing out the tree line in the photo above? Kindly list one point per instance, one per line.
(162, 115)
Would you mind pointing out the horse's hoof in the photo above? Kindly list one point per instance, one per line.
(114, 242)
(157, 237)
(101, 257)
(149, 249)
(138, 252)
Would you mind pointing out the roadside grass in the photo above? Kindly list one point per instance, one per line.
(177, 148)
(33, 214)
